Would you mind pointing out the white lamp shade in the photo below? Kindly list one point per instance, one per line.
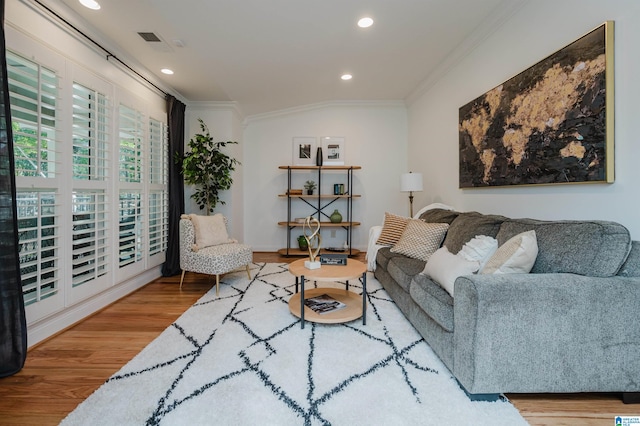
(411, 182)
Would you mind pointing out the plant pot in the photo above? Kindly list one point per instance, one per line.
(302, 243)
(309, 191)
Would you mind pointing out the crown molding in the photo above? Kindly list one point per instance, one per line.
(322, 105)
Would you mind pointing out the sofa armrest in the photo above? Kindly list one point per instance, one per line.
(546, 333)
(372, 247)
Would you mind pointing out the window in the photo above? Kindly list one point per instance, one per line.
(90, 118)
(158, 218)
(130, 226)
(92, 198)
(131, 138)
(33, 95)
(89, 251)
(158, 195)
(38, 232)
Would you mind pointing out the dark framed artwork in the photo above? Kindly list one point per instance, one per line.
(552, 123)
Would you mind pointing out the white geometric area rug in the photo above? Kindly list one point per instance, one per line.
(242, 359)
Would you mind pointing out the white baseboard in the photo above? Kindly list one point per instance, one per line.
(47, 327)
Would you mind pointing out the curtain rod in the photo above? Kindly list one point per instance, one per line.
(109, 54)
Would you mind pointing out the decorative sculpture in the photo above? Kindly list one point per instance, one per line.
(313, 241)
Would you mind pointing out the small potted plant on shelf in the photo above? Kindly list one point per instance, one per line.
(302, 243)
(310, 186)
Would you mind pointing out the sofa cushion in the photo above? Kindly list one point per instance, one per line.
(468, 225)
(516, 256)
(631, 267)
(419, 239)
(590, 248)
(433, 300)
(402, 269)
(439, 216)
(384, 255)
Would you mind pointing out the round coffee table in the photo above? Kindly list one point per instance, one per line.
(356, 306)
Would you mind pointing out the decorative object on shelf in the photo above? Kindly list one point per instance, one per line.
(335, 217)
(338, 189)
(312, 240)
(411, 182)
(294, 191)
(303, 244)
(333, 148)
(310, 186)
(319, 156)
(208, 168)
(303, 149)
(551, 124)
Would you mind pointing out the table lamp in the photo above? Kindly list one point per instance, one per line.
(410, 182)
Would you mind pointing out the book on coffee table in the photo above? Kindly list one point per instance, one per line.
(323, 304)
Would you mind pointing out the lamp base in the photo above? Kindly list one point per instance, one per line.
(311, 265)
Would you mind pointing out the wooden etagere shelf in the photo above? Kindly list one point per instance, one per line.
(318, 202)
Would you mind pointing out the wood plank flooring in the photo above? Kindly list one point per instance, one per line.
(64, 370)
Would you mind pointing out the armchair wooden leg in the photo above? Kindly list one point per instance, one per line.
(217, 285)
(182, 278)
(248, 272)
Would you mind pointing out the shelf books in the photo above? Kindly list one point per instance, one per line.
(323, 304)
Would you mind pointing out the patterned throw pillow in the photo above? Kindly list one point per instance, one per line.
(515, 256)
(420, 239)
(392, 229)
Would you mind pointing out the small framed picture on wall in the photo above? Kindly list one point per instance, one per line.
(304, 151)
(332, 151)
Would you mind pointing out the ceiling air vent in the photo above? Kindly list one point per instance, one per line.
(155, 42)
(150, 37)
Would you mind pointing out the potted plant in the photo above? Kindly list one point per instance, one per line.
(208, 168)
(302, 243)
(310, 186)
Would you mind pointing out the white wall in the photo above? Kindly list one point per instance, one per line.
(535, 31)
(375, 139)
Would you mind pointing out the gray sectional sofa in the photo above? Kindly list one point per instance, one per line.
(571, 325)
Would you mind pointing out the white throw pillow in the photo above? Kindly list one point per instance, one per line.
(516, 256)
(209, 231)
(420, 239)
(480, 248)
(444, 267)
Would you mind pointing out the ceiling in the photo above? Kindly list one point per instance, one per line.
(268, 55)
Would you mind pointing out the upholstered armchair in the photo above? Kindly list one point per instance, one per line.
(206, 248)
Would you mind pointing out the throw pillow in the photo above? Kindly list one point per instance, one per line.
(420, 239)
(480, 248)
(515, 256)
(444, 267)
(392, 229)
(209, 231)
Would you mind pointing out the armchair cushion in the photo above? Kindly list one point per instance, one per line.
(209, 231)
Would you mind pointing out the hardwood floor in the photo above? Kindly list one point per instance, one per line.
(64, 370)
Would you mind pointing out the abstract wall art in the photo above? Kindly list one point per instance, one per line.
(552, 123)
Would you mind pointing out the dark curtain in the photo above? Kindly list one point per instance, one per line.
(175, 111)
(13, 326)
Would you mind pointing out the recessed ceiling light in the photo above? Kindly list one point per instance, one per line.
(91, 4)
(365, 22)
(346, 76)
(166, 71)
